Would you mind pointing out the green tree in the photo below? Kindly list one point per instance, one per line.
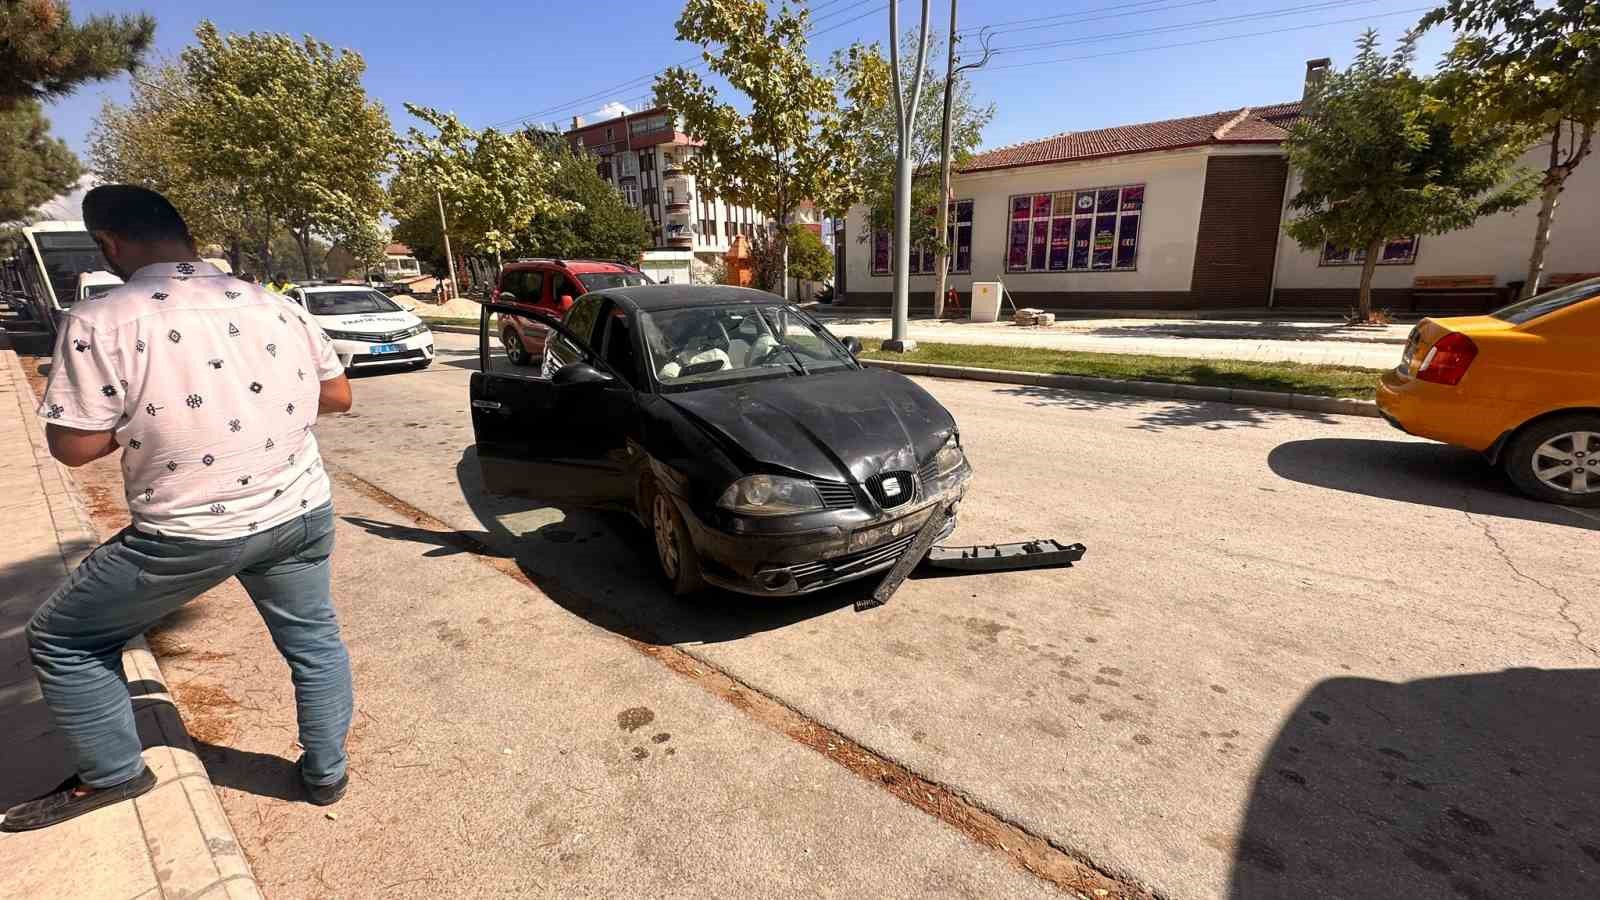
(794, 143)
(290, 124)
(493, 183)
(138, 143)
(1376, 161)
(878, 136)
(809, 260)
(44, 54)
(597, 224)
(1520, 64)
(34, 167)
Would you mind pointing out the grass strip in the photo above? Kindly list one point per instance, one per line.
(1286, 377)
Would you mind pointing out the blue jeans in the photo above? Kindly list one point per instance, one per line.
(131, 581)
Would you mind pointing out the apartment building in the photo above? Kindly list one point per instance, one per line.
(644, 155)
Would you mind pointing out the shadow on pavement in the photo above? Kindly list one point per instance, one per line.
(601, 567)
(1477, 786)
(261, 774)
(1411, 472)
(1166, 413)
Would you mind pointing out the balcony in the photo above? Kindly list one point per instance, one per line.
(678, 203)
(679, 236)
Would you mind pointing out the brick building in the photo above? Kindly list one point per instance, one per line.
(1187, 214)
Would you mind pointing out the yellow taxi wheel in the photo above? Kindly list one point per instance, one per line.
(1558, 460)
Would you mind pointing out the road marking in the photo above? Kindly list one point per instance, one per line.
(1056, 865)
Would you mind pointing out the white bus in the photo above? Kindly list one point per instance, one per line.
(52, 256)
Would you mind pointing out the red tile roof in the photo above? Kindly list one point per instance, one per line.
(1246, 125)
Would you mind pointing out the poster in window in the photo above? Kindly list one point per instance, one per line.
(1060, 244)
(1128, 242)
(1335, 256)
(964, 251)
(1041, 206)
(1108, 201)
(880, 252)
(964, 211)
(1041, 244)
(1085, 202)
(1105, 241)
(1399, 250)
(1062, 205)
(1080, 242)
(1133, 198)
(1020, 207)
(1017, 257)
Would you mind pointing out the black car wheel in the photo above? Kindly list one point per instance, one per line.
(680, 565)
(515, 352)
(1558, 460)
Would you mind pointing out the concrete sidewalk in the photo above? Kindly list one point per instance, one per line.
(1265, 340)
(173, 841)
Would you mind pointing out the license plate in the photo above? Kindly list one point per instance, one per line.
(380, 349)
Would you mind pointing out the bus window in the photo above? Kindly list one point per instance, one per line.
(65, 255)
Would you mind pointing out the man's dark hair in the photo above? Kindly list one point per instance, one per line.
(133, 213)
(280, 278)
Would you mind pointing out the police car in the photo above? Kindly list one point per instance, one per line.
(367, 328)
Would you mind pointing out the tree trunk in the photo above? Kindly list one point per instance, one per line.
(302, 239)
(1548, 201)
(235, 255)
(941, 260)
(1368, 268)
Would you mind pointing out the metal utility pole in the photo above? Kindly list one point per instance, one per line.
(905, 110)
(941, 260)
(449, 258)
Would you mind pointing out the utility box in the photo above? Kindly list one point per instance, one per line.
(986, 301)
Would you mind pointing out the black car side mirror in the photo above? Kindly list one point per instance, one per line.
(580, 373)
(853, 344)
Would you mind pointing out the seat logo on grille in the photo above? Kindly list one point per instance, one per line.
(891, 488)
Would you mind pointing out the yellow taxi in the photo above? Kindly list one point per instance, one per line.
(1520, 385)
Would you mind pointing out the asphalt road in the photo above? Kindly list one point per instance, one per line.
(1305, 655)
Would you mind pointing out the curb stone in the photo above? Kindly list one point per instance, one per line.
(1343, 406)
(190, 844)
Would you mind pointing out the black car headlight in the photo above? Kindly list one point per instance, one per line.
(949, 458)
(770, 495)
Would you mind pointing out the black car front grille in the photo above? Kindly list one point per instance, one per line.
(812, 574)
(836, 494)
(878, 484)
(361, 358)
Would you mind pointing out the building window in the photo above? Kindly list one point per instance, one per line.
(1084, 230)
(650, 196)
(959, 235)
(609, 138)
(630, 193)
(1397, 252)
(628, 164)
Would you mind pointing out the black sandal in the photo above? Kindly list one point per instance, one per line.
(64, 803)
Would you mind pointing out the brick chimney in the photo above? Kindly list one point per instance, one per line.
(577, 121)
(1316, 73)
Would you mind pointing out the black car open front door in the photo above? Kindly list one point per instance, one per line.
(561, 439)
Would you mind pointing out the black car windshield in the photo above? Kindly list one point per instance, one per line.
(344, 303)
(1544, 304)
(702, 345)
(599, 281)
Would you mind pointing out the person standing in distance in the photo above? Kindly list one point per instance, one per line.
(280, 284)
(210, 387)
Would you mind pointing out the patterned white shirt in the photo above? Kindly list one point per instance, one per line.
(210, 385)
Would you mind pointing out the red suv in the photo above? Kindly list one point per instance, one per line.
(550, 285)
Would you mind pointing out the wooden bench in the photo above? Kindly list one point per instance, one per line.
(1474, 293)
(1562, 279)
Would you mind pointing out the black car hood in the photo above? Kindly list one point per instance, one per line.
(831, 425)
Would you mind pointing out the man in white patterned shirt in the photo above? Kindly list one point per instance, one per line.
(210, 386)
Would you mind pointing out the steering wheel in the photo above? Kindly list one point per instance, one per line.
(707, 340)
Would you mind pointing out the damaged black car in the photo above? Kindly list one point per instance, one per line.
(758, 454)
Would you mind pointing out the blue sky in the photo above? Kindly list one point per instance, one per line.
(494, 62)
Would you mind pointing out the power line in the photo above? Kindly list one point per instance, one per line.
(1182, 26)
(697, 61)
(1061, 18)
(1215, 40)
